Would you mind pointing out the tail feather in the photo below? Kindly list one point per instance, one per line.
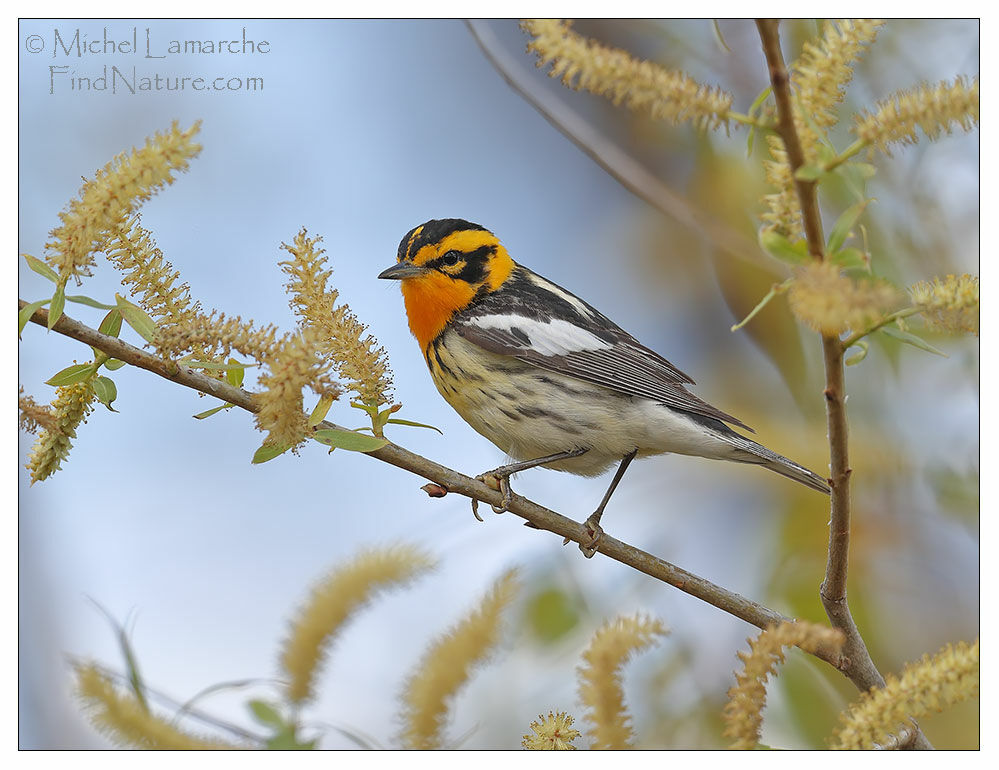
(759, 454)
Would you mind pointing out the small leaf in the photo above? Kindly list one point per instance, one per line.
(776, 245)
(113, 363)
(266, 714)
(235, 374)
(809, 173)
(719, 37)
(348, 439)
(41, 268)
(269, 452)
(864, 170)
(844, 224)
(860, 355)
(321, 410)
(25, 313)
(412, 424)
(850, 259)
(72, 374)
(81, 300)
(911, 339)
(210, 412)
(111, 325)
(58, 303)
(105, 390)
(137, 318)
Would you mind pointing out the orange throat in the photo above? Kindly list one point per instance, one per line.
(431, 301)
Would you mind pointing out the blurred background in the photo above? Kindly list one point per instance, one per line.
(362, 130)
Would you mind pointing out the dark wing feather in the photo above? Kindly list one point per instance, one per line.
(619, 362)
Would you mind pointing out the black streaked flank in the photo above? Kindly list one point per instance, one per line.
(432, 232)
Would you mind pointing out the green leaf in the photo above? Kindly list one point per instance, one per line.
(235, 374)
(397, 421)
(719, 37)
(269, 452)
(845, 223)
(25, 313)
(863, 170)
(41, 268)
(348, 439)
(210, 412)
(81, 300)
(287, 740)
(850, 258)
(58, 303)
(105, 390)
(111, 325)
(137, 318)
(776, 245)
(266, 714)
(321, 410)
(113, 363)
(911, 339)
(72, 374)
(809, 173)
(860, 355)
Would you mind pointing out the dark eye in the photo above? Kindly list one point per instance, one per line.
(451, 258)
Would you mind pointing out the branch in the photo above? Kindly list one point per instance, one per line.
(538, 516)
(858, 665)
(631, 174)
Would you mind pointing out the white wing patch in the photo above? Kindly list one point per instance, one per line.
(549, 338)
(577, 304)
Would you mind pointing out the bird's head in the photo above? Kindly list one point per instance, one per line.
(444, 265)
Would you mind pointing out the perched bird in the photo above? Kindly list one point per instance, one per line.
(546, 377)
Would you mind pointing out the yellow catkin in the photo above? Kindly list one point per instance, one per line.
(447, 665)
(296, 364)
(821, 74)
(551, 733)
(600, 677)
(127, 723)
(356, 356)
(949, 304)
(71, 406)
(831, 303)
(743, 713)
(783, 214)
(929, 685)
(155, 284)
(334, 600)
(641, 86)
(932, 108)
(215, 336)
(125, 182)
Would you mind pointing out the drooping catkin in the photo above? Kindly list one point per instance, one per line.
(743, 713)
(114, 192)
(124, 720)
(71, 406)
(929, 685)
(448, 663)
(949, 304)
(334, 600)
(600, 688)
(641, 86)
(831, 303)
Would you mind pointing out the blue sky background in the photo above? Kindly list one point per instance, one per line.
(365, 129)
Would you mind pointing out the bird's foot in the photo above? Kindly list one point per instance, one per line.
(594, 534)
(498, 479)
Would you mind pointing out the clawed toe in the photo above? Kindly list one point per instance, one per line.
(594, 534)
(500, 481)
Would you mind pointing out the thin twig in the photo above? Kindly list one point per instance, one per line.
(857, 664)
(631, 174)
(540, 517)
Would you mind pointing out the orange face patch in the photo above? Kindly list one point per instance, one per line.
(431, 300)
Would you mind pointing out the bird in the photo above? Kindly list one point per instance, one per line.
(546, 377)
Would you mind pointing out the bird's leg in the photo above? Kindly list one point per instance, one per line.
(500, 477)
(592, 523)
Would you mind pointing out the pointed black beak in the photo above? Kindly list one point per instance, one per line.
(402, 270)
